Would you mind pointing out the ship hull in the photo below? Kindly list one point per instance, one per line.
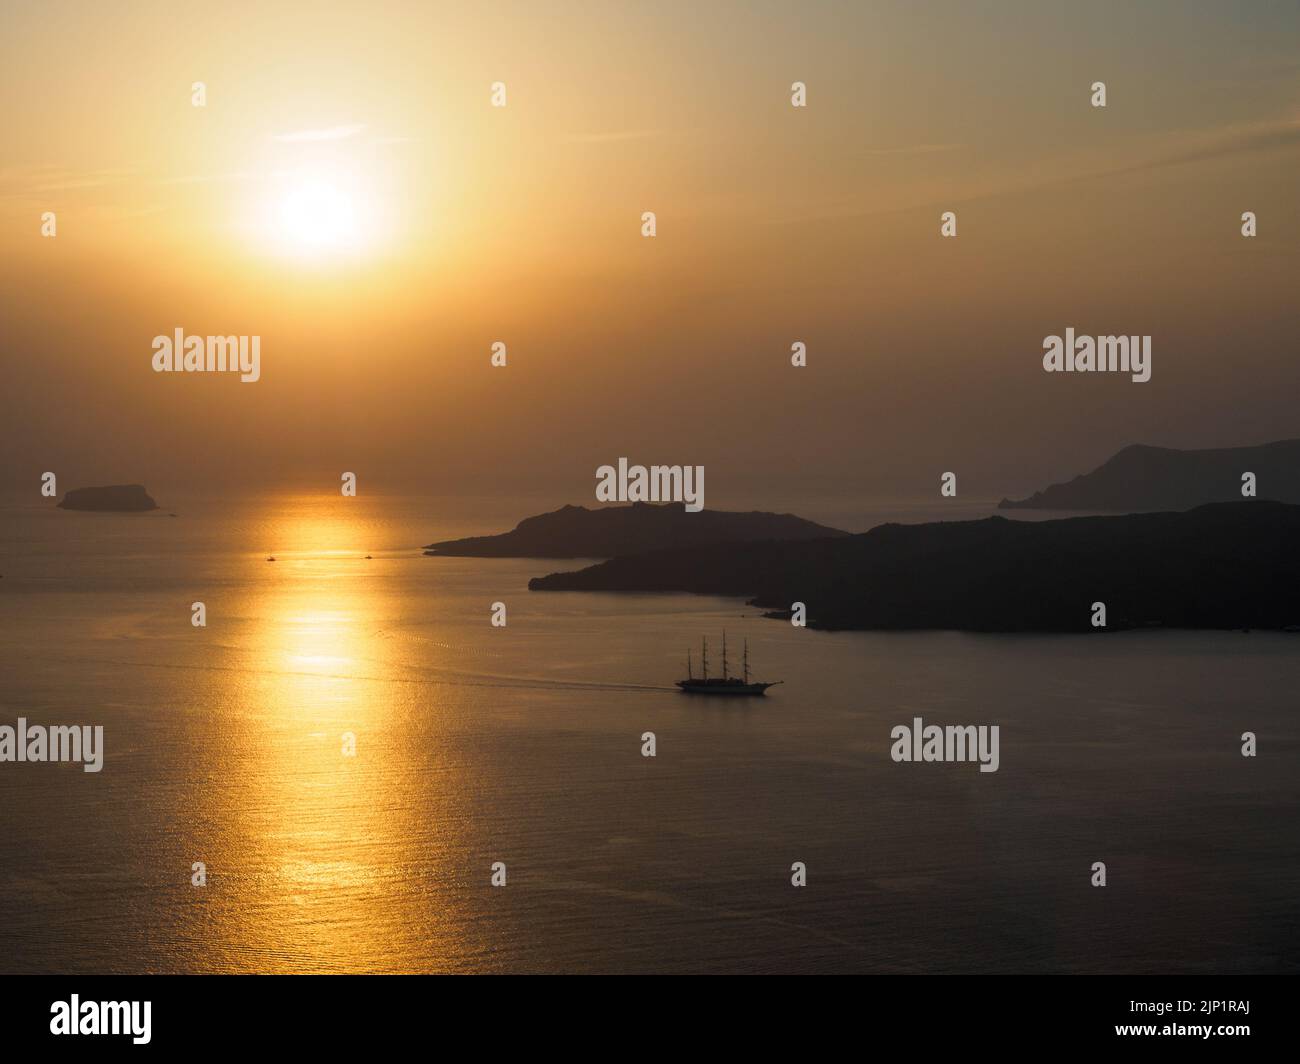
(733, 689)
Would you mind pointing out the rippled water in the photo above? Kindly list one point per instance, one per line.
(523, 745)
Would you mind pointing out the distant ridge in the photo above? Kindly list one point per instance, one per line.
(1225, 565)
(604, 532)
(112, 498)
(1141, 478)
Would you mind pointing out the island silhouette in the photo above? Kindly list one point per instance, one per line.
(1162, 478)
(608, 531)
(1223, 565)
(112, 498)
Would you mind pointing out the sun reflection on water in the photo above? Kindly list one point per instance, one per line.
(338, 859)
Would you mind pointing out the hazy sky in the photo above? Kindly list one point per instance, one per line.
(467, 224)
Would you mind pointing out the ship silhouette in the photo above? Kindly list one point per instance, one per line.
(723, 685)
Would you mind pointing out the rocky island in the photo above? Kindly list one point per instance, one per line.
(1225, 565)
(605, 532)
(113, 498)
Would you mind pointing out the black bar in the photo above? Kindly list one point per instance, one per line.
(614, 1015)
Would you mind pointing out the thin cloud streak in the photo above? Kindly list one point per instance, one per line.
(915, 149)
(611, 138)
(1222, 143)
(302, 136)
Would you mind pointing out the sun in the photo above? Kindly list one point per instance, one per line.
(317, 216)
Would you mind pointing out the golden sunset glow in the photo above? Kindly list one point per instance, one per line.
(362, 604)
(356, 199)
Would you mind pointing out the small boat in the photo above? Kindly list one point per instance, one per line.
(723, 685)
(271, 558)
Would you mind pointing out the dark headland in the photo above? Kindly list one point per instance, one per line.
(605, 532)
(114, 498)
(1141, 478)
(1225, 565)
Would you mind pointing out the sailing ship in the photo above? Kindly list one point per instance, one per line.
(723, 685)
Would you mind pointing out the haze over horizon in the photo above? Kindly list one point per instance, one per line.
(468, 224)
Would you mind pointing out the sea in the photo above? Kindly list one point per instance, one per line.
(349, 768)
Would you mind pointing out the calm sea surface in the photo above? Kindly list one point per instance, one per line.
(523, 745)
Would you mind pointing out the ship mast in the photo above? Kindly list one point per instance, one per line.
(704, 655)
(689, 675)
(746, 661)
(724, 653)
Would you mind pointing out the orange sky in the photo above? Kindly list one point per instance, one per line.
(522, 224)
